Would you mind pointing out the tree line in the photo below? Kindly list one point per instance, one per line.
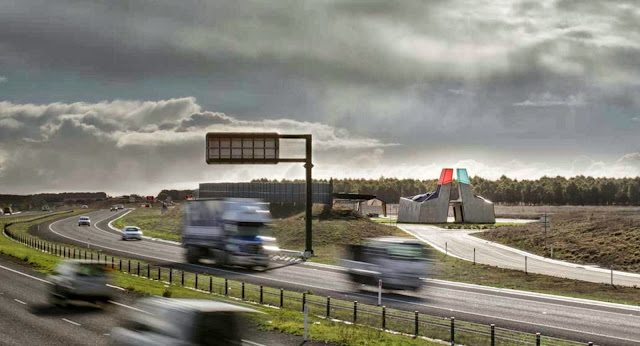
(579, 190)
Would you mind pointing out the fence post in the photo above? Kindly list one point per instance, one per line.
(304, 300)
(196, 285)
(355, 311)
(453, 331)
(328, 306)
(85, 255)
(384, 317)
(474, 256)
(261, 295)
(281, 297)
(446, 249)
(129, 266)
(112, 263)
(210, 284)
(74, 253)
(148, 271)
(415, 327)
(243, 291)
(183, 278)
(493, 334)
(525, 266)
(98, 257)
(537, 339)
(611, 269)
(138, 268)
(159, 274)
(170, 276)
(120, 264)
(226, 287)
(92, 256)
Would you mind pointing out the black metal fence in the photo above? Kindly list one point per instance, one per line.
(268, 191)
(411, 323)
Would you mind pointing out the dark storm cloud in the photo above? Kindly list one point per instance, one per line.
(450, 81)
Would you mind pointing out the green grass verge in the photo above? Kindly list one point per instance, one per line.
(153, 223)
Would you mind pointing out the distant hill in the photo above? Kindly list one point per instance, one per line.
(26, 202)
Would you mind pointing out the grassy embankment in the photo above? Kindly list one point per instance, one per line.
(347, 228)
(153, 223)
(589, 237)
(273, 319)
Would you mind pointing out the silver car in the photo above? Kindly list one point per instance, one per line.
(79, 280)
(131, 232)
(162, 321)
(84, 221)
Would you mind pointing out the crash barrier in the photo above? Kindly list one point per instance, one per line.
(411, 323)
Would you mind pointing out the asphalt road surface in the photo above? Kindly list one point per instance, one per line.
(459, 243)
(576, 319)
(26, 317)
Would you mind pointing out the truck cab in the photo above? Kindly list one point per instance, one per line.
(7, 210)
(226, 230)
(399, 262)
(163, 321)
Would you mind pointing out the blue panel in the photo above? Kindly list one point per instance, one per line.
(463, 177)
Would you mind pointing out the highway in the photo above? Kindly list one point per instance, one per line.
(28, 318)
(459, 243)
(581, 320)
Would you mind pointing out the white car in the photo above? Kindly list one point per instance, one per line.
(131, 232)
(84, 221)
(120, 206)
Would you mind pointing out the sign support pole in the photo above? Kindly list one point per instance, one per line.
(309, 203)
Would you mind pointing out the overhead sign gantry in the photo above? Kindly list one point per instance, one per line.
(261, 148)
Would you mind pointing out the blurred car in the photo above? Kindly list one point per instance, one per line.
(165, 321)
(45, 208)
(79, 280)
(114, 208)
(84, 221)
(131, 232)
(120, 206)
(85, 207)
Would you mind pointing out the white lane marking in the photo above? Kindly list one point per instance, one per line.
(534, 295)
(116, 287)
(69, 321)
(20, 301)
(126, 306)
(251, 342)
(434, 245)
(27, 275)
(119, 217)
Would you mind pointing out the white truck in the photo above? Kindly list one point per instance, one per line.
(399, 262)
(229, 231)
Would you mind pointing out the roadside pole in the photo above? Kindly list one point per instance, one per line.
(379, 292)
(306, 323)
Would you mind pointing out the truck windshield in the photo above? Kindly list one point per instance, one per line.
(406, 251)
(249, 229)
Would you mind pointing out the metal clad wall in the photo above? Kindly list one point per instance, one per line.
(269, 192)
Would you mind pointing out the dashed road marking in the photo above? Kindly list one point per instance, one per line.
(69, 321)
(20, 301)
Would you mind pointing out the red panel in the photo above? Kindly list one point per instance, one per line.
(446, 177)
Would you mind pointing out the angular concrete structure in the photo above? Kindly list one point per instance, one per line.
(475, 209)
(433, 207)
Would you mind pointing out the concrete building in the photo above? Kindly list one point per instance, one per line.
(433, 207)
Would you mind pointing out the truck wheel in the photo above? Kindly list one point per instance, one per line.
(192, 255)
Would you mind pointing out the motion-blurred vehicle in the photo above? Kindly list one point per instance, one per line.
(165, 321)
(120, 206)
(226, 230)
(131, 232)
(399, 262)
(113, 208)
(79, 280)
(7, 210)
(84, 221)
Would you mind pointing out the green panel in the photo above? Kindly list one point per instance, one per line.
(463, 177)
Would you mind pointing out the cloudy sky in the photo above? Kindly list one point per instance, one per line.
(117, 95)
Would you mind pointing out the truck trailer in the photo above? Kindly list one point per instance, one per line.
(228, 231)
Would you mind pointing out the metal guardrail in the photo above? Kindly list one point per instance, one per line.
(409, 323)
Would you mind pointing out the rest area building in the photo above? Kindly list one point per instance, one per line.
(433, 207)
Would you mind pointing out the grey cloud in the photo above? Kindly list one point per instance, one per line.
(3, 79)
